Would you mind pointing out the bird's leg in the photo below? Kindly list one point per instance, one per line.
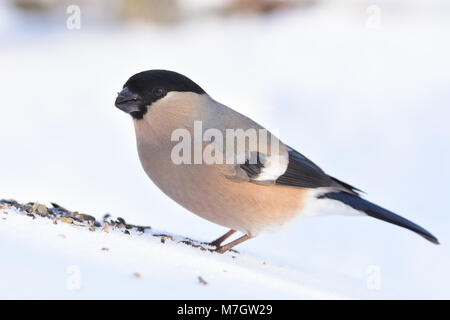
(218, 241)
(228, 246)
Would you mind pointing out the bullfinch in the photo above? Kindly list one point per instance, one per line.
(225, 167)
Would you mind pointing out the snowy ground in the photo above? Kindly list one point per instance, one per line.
(65, 261)
(369, 105)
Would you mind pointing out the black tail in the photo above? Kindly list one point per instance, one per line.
(378, 212)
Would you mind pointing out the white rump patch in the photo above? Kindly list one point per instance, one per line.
(323, 207)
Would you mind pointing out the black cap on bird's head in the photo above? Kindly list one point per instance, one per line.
(146, 87)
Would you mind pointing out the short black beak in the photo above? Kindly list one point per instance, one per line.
(128, 101)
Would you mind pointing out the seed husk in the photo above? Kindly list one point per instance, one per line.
(65, 220)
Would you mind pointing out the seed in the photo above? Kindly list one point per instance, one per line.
(41, 209)
(66, 220)
(57, 206)
(87, 217)
(80, 224)
(202, 281)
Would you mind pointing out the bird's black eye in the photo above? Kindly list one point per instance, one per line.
(158, 92)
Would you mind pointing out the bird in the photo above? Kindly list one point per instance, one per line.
(270, 184)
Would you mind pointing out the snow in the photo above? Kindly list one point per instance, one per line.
(370, 106)
(73, 262)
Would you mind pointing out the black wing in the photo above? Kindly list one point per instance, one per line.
(301, 172)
